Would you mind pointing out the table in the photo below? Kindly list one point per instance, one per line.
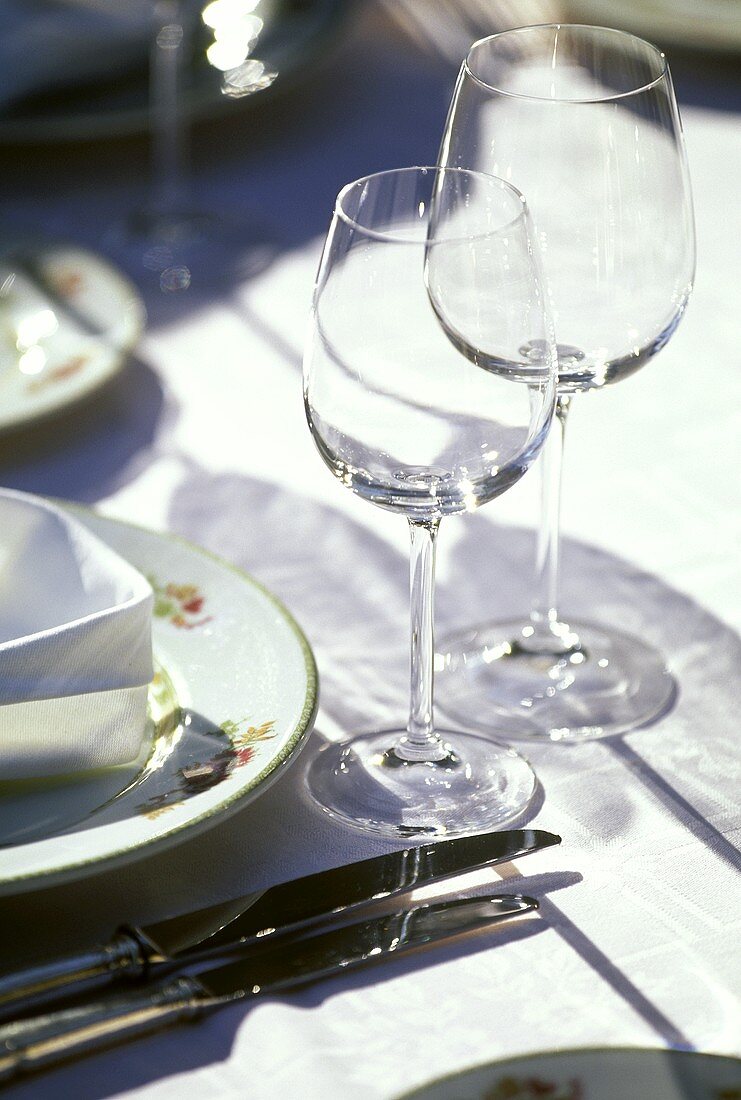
(204, 435)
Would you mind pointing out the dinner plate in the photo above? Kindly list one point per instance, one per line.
(68, 319)
(607, 1074)
(232, 703)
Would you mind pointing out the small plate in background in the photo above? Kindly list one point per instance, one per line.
(68, 319)
(597, 1074)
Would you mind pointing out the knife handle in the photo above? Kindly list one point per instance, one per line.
(33, 1044)
(30, 1045)
(123, 956)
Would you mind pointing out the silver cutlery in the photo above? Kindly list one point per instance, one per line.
(30, 1045)
(243, 925)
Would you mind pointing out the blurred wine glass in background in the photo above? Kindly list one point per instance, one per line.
(175, 239)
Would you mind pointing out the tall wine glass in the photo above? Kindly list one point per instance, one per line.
(428, 279)
(584, 120)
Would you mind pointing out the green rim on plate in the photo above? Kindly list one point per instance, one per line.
(234, 702)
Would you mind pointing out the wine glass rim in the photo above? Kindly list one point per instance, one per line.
(664, 68)
(397, 238)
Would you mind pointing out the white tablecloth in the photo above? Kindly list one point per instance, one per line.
(637, 943)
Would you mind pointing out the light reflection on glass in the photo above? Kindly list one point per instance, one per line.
(36, 327)
(236, 28)
(220, 12)
(251, 76)
(29, 332)
(233, 42)
(32, 361)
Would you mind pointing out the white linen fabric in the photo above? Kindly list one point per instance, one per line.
(75, 645)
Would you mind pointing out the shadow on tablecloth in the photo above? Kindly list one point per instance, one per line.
(349, 590)
(95, 447)
(664, 795)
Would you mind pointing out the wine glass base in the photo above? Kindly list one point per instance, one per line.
(498, 680)
(189, 248)
(477, 786)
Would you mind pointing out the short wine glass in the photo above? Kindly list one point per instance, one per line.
(428, 279)
(585, 121)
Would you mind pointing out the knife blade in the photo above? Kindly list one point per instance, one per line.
(244, 924)
(35, 1044)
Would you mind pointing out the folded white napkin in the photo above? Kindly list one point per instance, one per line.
(75, 645)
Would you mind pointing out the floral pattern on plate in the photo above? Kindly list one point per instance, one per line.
(180, 604)
(235, 744)
(533, 1088)
(59, 373)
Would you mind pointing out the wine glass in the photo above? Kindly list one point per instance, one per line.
(428, 279)
(584, 120)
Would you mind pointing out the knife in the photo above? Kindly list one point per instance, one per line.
(245, 923)
(31, 1045)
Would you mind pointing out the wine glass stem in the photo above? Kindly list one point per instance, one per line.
(544, 611)
(168, 128)
(421, 743)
